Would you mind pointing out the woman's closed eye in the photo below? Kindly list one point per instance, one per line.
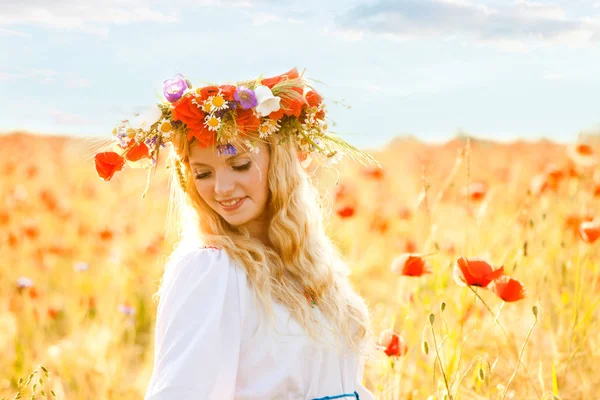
(239, 168)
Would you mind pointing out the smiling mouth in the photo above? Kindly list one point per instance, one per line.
(231, 202)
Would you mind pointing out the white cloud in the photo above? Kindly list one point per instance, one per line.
(89, 16)
(46, 76)
(552, 76)
(60, 117)
(262, 18)
(76, 82)
(10, 77)
(508, 25)
(13, 33)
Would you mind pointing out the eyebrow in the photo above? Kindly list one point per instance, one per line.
(199, 164)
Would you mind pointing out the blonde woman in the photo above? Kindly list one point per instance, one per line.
(255, 301)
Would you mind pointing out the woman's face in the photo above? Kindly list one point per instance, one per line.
(235, 187)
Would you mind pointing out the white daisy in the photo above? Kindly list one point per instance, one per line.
(268, 127)
(212, 122)
(218, 102)
(251, 147)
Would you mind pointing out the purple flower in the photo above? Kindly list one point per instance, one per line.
(174, 88)
(227, 149)
(246, 97)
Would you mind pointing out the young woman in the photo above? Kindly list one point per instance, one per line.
(255, 301)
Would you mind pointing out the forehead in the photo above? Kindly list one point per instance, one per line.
(211, 156)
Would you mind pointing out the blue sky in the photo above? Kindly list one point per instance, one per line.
(429, 68)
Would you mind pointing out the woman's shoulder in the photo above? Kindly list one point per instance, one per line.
(191, 264)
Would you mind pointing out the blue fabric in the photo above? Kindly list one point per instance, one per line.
(339, 396)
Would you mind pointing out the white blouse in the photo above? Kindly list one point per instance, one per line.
(211, 345)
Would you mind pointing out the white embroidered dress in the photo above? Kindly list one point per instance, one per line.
(205, 346)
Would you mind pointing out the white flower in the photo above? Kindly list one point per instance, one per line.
(267, 102)
(81, 266)
(268, 127)
(251, 147)
(147, 118)
(24, 282)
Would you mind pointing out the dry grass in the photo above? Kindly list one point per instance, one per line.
(94, 252)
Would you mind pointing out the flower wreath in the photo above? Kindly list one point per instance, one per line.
(286, 105)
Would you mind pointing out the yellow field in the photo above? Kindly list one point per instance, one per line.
(81, 259)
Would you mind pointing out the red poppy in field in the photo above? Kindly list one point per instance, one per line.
(476, 191)
(404, 213)
(584, 149)
(379, 224)
(554, 173)
(106, 234)
(508, 289)
(32, 171)
(346, 211)
(581, 154)
(12, 240)
(392, 343)
(31, 230)
(341, 192)
(573, 221)
(49, 199)
(410, 246)
(589, 231)
(4, 217)
(373, 172)
(410, 265)
(53, 312)
(475, 272)
(541, 183)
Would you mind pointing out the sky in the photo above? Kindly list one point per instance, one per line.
(497, 69)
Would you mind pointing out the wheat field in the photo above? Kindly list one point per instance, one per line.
(81, 259)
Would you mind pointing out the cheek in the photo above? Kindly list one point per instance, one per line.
(204, 190)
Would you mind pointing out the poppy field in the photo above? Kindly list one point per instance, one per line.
(478, 260)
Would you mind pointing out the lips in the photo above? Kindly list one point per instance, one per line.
(231, 202)
(232, 205)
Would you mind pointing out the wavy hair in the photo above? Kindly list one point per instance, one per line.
(300, 257)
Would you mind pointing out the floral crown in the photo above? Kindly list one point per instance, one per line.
(285, 105)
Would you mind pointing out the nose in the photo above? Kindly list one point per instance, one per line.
(224, 185)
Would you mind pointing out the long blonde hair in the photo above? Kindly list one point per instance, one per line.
(301, 257)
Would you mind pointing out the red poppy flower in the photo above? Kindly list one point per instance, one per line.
(206, 92)
(313, 98)
(589, 231)
(136, 151)
(404, 213)
(573, 222)
(293, 106)
(410, 265)
(373, 172)
(379, 224)
(107, 164)
(584, 149)
(346, 211)
(106, 234)
(247, 121)
(193, 118)
(4, 218)
(270, 82)
(277, 115)
(392, 343)
(410, 246)
(475, 272)
(227, 91)
(476, 190)
(508, 289)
